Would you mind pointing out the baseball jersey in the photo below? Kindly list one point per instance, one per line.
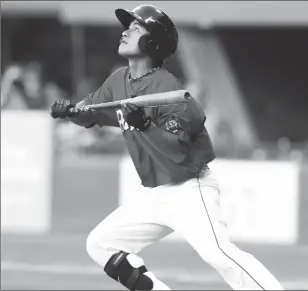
(176, 146)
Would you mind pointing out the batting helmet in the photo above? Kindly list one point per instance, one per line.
(162, 38)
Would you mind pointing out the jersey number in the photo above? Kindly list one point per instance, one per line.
(123, 124)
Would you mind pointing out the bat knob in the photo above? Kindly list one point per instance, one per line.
(187, 96)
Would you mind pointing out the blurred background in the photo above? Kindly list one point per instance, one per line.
(245, 62)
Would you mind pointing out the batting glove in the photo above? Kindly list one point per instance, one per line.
(61, 109)
(135, 116)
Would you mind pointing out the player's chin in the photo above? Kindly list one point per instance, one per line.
(123, 51)
(128, 52)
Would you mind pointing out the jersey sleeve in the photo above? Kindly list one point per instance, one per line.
(174, 121)
(104, 117)
(102, 95)
(184, 120)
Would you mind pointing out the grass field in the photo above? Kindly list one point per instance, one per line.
(60, 262)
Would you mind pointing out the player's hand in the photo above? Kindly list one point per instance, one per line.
(61, 109)
(135, 116)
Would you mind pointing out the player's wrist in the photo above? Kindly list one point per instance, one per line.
(147, 123)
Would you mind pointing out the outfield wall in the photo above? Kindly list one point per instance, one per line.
(26, 171)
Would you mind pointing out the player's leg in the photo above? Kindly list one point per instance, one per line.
(204, 228)
(116, 241)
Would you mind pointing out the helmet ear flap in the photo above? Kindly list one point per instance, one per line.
(148, 46)
(143, 43)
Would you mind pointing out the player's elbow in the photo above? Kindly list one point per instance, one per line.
(90, 247)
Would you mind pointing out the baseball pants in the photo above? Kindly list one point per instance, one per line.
(192, 209)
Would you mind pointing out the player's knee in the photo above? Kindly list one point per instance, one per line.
(91, 246)
(96, 249)
(128, 269)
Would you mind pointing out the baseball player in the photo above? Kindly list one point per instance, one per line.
(170, 148)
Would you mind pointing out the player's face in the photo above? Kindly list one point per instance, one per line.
(129, 42)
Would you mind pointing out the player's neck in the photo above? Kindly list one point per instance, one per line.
(140, 67)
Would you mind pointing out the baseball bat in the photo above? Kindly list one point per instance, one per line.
(149, 100)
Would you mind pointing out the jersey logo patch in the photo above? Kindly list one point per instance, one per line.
(173, 125)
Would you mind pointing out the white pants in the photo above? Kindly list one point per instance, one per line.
(192, 209)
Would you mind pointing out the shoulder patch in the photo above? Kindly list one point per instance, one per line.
(173, 125)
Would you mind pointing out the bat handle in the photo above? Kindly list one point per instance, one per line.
(71, 111)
